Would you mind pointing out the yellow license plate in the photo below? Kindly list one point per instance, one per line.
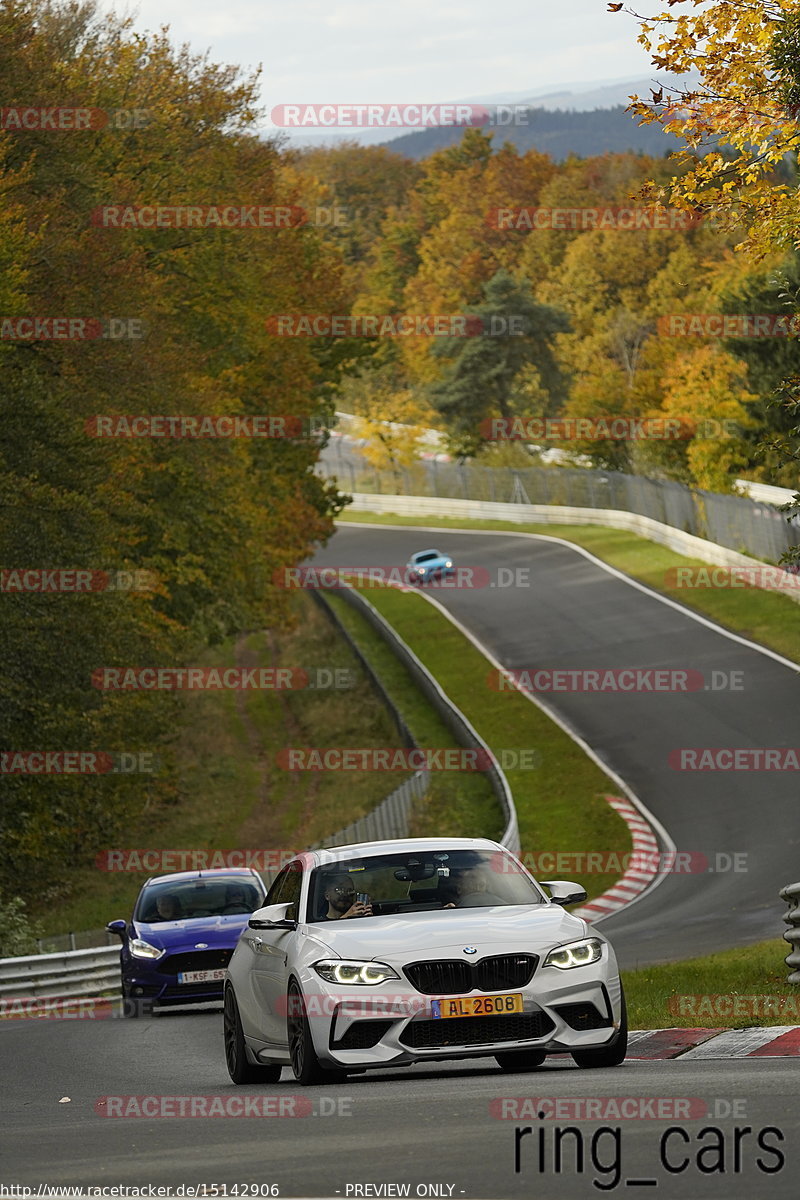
(477, 1006)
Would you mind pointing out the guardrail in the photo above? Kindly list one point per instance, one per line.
(73, 973)
(791, 895)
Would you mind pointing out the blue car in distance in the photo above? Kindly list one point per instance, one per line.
(428, 564)
(183, 931)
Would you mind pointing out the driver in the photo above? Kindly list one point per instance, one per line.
(235, 899)
(472, 886)
(341, 897)
(168, 907)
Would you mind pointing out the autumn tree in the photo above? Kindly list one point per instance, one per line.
(748, 99)
(210, 519)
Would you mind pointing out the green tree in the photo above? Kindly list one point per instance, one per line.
(479, 385)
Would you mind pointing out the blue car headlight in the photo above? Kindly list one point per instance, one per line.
(142, 949)
(348, 970)
(575, 954)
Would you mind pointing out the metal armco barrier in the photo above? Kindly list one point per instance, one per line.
(71, 974)
(389, 820)
(791, 895)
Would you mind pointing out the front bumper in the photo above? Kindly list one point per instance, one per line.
(563, 1011)
(156, 980)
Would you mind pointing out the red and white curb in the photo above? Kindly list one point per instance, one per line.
(636, 878)
(777, 1041)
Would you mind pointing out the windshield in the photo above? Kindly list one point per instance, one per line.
(190, 898)
(408, 882)
(426, 556)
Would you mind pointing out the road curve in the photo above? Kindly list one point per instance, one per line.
(573, 613)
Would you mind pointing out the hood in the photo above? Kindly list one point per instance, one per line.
(500, 930)
(184, 935)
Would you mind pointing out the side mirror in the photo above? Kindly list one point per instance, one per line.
(119, 927)
(274, 916)
(562, 892)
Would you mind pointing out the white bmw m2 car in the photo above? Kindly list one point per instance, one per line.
(388, 953)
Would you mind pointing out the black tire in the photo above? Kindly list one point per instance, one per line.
(611, 1055)
(307, 1068)
(517, 1061)
(240, 1069)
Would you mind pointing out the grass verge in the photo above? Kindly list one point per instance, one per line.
(460, 806)
(733, 989)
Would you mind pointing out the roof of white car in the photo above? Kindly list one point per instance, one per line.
(404, 846)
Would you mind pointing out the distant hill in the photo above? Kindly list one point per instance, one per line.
(559, 134)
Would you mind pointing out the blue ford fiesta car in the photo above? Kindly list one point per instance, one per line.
(183, 931)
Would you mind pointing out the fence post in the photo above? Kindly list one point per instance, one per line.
(791, 895)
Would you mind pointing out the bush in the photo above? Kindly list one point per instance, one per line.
(18, 933)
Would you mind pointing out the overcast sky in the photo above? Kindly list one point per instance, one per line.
(412, 51)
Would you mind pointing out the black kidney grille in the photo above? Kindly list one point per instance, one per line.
(195, 960)
(453, 977)
(476, 1031)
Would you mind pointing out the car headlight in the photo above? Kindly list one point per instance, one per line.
(421, 570)
(347, 970)
(143, 949)
(575, 954)
(448, 563)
